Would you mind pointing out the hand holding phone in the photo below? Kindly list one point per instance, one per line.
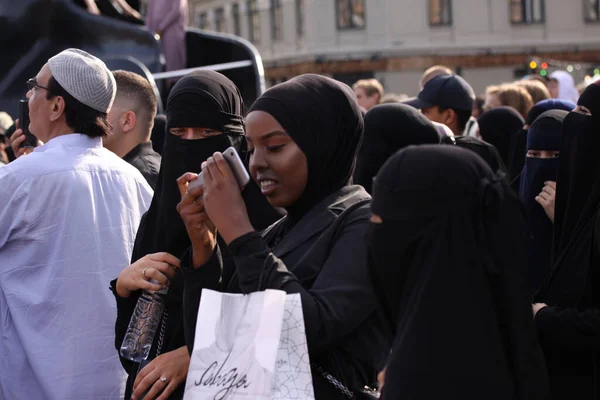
(236, 165)
(30, 139)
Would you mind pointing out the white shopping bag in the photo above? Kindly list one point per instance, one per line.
(235, 346)
(250, 347)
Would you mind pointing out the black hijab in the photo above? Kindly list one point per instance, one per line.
(519, 150)
(544, 134)
(448, 260)
(323, 118)
(577, 202)
(389, 128)
(499, 127)
(200, 99)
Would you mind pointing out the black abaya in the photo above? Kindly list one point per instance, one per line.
(448, 262)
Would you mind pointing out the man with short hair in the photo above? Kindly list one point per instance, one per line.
(432, 72)
(368, 93)
(69, 215)
(447, 99)
(132, 118)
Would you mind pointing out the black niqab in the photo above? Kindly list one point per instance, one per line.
(323, 118)
(544, 134)
(389, 128)
(200, 99)
(499, 127)
(448, 260)
(576, 205)
(519, 150)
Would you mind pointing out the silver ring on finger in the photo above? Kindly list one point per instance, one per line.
(144, 273)
(163, 379)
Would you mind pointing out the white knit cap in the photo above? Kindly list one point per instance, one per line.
(84, 77)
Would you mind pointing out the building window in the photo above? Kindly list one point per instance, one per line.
(202, 20)
(440, 12)
(300, 18)
(276, 19)
(253, 21)
(219, 19)
(350, 14)
(235, 13)
(592, 10)
(527, 11)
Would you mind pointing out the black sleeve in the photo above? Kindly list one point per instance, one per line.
(207, 276)
(125, 307)
(330, 306)
(569, 328)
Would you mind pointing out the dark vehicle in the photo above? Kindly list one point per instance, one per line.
(31, 31)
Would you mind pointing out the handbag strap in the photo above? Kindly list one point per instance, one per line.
(349, 394)
(161, 333)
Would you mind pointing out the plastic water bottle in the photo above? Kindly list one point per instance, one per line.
(143, 325)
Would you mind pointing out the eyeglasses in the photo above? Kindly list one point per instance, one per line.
(31, 84)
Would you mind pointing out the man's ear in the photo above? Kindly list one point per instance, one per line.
(128, 120)
(449, 117)
(58, 108)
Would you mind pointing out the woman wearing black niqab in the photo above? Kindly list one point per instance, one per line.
(499, 127)
(568, 304)
(389, 128)
(541, 166)
(447, 257)
(204, 114)
(520, 148)
(304, 135)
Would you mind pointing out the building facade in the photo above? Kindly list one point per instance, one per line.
(486, 41)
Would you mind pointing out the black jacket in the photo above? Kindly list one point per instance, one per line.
(146, 160)
(323, 257)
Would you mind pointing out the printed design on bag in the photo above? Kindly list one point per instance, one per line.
(293, 379)
(227, 363)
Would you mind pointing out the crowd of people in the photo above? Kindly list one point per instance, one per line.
(443, 247)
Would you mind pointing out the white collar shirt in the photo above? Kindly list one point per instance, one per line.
(69, 213)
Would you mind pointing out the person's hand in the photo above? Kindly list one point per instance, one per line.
(16, 139)
(200, 229)
(537, 307)
(223, 199)
(92, 7)
(162, 376)
(547, 197)
(160, 267)
(381, 380)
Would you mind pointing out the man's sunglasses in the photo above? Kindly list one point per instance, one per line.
(32, 84)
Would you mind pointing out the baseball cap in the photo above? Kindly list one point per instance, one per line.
(449, 91)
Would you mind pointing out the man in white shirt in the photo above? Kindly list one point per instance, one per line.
(69, 212)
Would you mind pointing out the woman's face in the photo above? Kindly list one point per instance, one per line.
(276, 162)
(553, 88)
(543, 153)
(194, 133)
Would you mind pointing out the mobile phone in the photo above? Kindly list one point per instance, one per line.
(30, 139)
(236, 165)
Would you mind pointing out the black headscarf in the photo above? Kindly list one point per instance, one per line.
(389, 128)
(544, 134)
(576, 205)
(448, 260)
(519, 150)
(487, 151)
(499, 127)
(200, 99)
(322, 116)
